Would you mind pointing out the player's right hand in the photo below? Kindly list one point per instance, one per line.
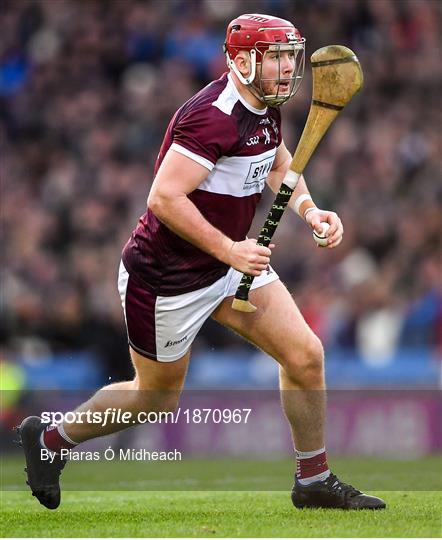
(248, 257)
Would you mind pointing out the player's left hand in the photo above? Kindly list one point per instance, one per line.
(334, 234)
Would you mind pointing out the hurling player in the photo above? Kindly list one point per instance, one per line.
(184, 260)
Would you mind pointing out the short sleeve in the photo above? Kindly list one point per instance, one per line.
(204, 134)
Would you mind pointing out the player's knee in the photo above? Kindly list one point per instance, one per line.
(158, 400)
(306, 366)
(170, 403)
(314, 358)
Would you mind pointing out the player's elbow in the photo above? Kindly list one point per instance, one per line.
(153, 202)
(158, 203)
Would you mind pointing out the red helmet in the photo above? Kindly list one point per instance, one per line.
(260, 34)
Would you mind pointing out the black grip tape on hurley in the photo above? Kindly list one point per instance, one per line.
(266, 234)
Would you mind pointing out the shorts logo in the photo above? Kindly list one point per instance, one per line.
(173, 343)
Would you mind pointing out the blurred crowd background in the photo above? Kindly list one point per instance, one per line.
(87, 88)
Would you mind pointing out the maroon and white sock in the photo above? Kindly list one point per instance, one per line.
(54, 438)
(311, 466)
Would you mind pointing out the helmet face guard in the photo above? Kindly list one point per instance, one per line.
(286, 87)
(260, 36)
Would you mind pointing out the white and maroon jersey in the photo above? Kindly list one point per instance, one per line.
(237, 144)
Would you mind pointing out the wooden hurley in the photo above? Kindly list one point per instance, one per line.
(337, 76)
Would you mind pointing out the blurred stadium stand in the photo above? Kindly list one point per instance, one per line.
(86, 92)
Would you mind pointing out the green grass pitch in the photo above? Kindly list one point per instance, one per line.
(229, 510)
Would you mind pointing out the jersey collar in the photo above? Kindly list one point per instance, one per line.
(246, 104)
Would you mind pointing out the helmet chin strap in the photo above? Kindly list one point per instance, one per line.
(258, 93)
(245, 80)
